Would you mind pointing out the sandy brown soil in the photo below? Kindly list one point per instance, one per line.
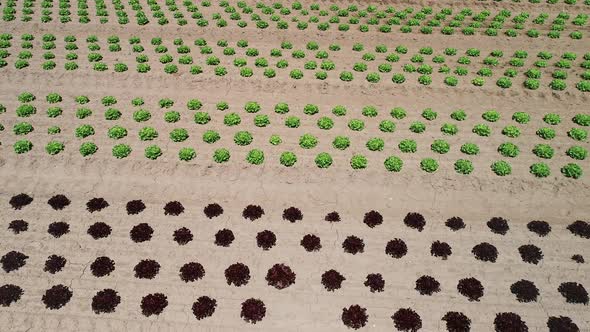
(305, 305)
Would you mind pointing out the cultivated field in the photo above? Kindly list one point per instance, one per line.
(294, 166)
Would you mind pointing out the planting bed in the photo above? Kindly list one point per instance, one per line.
(294, 166)
(469, 278)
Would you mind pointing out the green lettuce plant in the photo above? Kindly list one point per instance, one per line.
(121, 151)
(429, 114)
(543, 151)
(54, 147)
(84, 131)
(261, 120)
(255, 157)
(26, 110)
(288, 159)
(577, 152)
(22, 146)
(458, 115)
(491, 116)
(370, 111)
(463, 166)
(275, 140)
(375, 144)
(356, 125)
(311, 109)
(148, 134)
(179, 135)
(194, 104)
(341, 142)
(417, 127)
(508, 150)
(252, 107)
(511, 131)
(408, 146)
(325, 123)
(282, 108)
(323, 160)
(398, 113)
(202, 118)
(153, 152)
(582, 119)
(88, 149)
(440, 146)
(429, 165)
(358, 162)
(53, 98)
(221, 156)
(546, 133)
(578, 134)
(470, 149)
(521, 117)
(232, 119)
(387, 126)
(22, 128)
(572, 170)
(141, 115)
(540, 170)
(449, 129)
(393, 164)
(186, 154)
(243, 138)
(501, 168)
(117, 132)
(82, 100)
(308, 141)
(54, 112)
(292, 122)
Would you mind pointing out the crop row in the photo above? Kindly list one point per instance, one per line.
(394, 63)
(306, 141)
(426, 20)
(355, 317)
(281, 276)
(251, 213)
(337, 123)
